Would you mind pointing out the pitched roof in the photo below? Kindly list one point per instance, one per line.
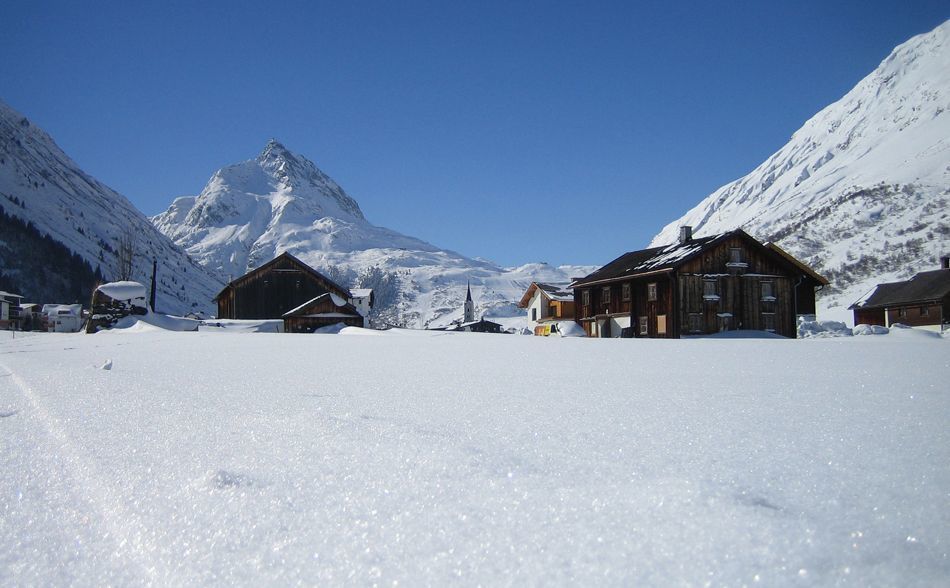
(923, 287)
(650, 260)
(284, 255)
(335, 300)
(553, 292)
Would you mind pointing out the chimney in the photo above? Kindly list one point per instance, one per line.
(686, 234)
(945, 262)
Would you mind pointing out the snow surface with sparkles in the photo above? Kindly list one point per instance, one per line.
(433, 459)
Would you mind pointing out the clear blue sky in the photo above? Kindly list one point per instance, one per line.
(514, 131)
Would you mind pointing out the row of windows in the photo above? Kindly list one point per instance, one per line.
(624, 294)
(922, 311)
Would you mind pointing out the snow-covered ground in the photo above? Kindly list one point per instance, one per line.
(148, 456)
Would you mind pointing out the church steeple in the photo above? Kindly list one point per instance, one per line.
(469, 306)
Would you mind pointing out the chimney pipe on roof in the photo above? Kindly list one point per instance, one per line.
(686, 234)
(945, 262)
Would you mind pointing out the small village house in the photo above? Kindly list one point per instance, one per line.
(63, 318)
(9, 310)
(697, 286)
(546, 304)
(922, 301)
(287, 288)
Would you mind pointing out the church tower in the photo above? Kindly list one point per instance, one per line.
(469, 306)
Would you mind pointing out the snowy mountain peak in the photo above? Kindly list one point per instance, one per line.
(861, 190)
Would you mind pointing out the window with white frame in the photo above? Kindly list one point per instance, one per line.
(735, 255)
(585, 297)
(710, 289)
(768, 290)
(625, 292)
(605, 295)
(651, 291)
(644, 328)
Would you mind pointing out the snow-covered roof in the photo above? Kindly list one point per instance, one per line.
(330, 315)
(59, 309)
(552, 291)
(923, 287)
(9, 295)
(361, 292)
(123, 290)
(337, 301)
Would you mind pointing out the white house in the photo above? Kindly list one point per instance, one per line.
(362, 299)
(547, 304)
(63, 318)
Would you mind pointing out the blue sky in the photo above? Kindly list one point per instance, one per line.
(513, 131)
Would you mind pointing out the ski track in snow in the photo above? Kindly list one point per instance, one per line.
(251, 459)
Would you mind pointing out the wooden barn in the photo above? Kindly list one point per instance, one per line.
(323, 311)
(922, 301)
(697, 286)
(274, 289)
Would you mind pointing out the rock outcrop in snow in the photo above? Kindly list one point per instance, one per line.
(41, 185)
(280, 201)
(861, 191)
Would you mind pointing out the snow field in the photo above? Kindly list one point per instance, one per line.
(464, 458)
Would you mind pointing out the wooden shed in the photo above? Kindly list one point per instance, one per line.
(275, 288)
(322, 311)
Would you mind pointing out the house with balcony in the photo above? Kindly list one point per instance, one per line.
(697, 286)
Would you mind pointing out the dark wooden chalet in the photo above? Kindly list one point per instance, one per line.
(922, 301)
(270, 291)
(697, 286)
(322, 311)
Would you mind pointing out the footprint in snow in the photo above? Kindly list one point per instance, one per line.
(225, 480)
(107, 365)
(6, 414)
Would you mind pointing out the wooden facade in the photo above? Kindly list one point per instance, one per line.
(697, 287)
(323, 311)
(273, 289)
(922, 301)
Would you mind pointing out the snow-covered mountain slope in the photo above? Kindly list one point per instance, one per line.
(252, 211)
(41, 185)
(861, 191)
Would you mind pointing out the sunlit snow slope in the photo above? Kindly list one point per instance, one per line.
(861, 191)
(280, 201)
(88, 217)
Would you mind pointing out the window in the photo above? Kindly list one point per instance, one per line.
(651, 291)
(625, 292)
(534, 314)
(643, 326)
(924, 311)
(605, 295)
(735, 255)
(710, 290)
(585, 297)
(661, 324)
(552, 311)
(768, 291)
(695, 323)
(902, 312)
(768, 321)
